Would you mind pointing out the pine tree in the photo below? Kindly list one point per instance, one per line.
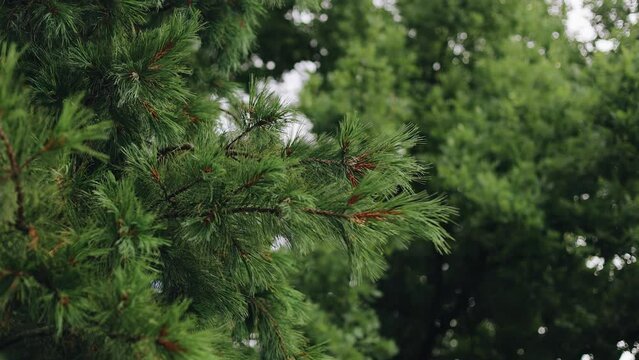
(134, 225)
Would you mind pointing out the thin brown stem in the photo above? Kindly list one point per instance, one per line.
(321, 161)
(31, 158)
(239, 137)
(250, 183)
(184, 188)
(327, 213)
(170, 150)
(50, 145)
(273, 323)
(15, 177)
(251, 209)
(260, 123)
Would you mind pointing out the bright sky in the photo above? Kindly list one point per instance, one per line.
(578, 22)
(577, 26)
(288, 88)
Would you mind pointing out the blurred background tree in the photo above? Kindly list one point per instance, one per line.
(533, 136)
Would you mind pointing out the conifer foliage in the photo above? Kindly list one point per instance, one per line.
(133, 227)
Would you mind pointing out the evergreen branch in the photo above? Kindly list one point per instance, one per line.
(249, 209)
(258, 124)
(171, 6)
(15, 177)
(250, 183)
(320, 161)
(153, 65)
(365, 216)
(241, 135)
(188, 186)
(356, 165)
(151, 110)
(168, 345)
(50, 145)
(29, 333)
(184, 188)
(169, 150)
(243, 255)
(155, 174)
(166, 8)
(358, 218)
(227, 112)
(232, 153)
(327, 213)
(125, 337)
(273, 323)
(49, 330)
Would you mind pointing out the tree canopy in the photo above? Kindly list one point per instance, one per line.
(531, 134)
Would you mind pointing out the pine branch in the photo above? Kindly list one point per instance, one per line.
(29, 333)
(239, 137)
(358, 218)
(49, 330)
(327, 213)
(365, 216)
(262, 122)
(233, 153)
(153, 65)
(250, 183)
(170, 6)
(184, 188)
(47, 147)
(243, 255)
(249, 209)
(354, 165)
(151, 110)
(273, 323)
(170, 150)
(15, 177)
(155, 174)
(320, 161)
(168, 345)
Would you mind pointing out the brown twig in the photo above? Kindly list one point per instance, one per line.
(240, 136)
(357, 218)
(153, 65)
(155, 174)
(15, 177)
(170, 150)
(381, 215)
(327, 213)
(48, 146)
(168, 345)
(151, 110)
(273, 323)
(184, 188)
(250, 209)
(250, 183)
(320, 161)
(258, 124)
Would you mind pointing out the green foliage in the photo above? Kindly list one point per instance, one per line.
(133, 227)
(532, 136)
(341, 317)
